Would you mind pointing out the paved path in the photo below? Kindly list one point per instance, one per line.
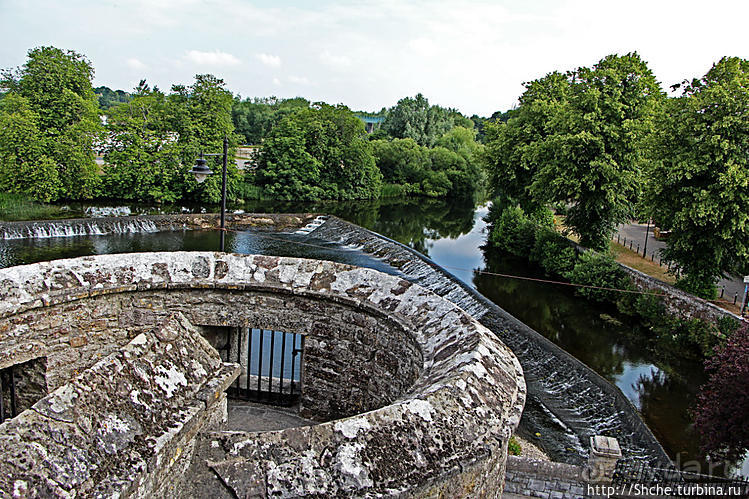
(249, 416)
(636, 233)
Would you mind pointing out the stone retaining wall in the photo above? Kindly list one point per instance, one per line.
(454, 392)
(678, 302)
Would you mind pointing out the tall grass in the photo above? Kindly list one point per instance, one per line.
(18, 207)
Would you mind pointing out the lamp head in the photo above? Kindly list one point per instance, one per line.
(200, 170)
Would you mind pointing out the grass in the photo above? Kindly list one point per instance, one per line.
(513, 447)
(16, 207)
(636, 261)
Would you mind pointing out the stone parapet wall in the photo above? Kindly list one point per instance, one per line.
(122, 427)
(453, 392)
(544, 479)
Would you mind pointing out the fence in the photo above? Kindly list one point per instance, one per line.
(272, 362)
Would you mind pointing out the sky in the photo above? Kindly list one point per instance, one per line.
(470, 55)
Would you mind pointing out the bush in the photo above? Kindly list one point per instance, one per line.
(514, 232)
(698, 286)
(723, 402)
(596, 269)
(553, 252)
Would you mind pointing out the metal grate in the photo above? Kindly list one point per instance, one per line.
(272, 362)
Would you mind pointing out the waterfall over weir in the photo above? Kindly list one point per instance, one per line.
(567, 402)
(79, 227)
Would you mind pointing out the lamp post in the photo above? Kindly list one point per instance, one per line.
(202, 172)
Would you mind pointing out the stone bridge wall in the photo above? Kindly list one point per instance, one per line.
(443, 395)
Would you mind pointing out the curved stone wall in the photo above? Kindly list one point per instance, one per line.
(442, 393)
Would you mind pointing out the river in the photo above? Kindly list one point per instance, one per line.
(451, 233)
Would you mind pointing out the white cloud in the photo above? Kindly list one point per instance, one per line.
(335, 61)
(272, 61)
(134, 63)
(215, 58)
(276, 81)
(299, 80)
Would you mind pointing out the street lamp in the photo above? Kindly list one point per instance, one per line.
(202, 172)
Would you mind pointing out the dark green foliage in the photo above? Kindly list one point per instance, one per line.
(49, 123)
(319, 153)
(553, 252)
(698, 285)
(514, 232)
(599, 270)
(699, 185)
(109, 98)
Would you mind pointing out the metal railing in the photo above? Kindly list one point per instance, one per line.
(8, 403)
(272, 362)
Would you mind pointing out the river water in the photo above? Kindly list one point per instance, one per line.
(451, 233)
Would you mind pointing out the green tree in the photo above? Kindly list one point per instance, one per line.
(319, 153)
(143, 160)
(24, 166)
(254, 118)
(512, 153)
(699, 188)
(581, 140)
(595, 157)
(200, 115)
(413, 118)
(57, 87)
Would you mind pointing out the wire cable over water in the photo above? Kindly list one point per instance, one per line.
(485, 272)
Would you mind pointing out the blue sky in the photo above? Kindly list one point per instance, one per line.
(471, 55)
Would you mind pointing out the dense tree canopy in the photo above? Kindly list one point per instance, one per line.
(413, 118)
(579, 140)
(254, 118)
(318, 153)
(55, 106)
(700, 186)
(110, 98)
(154, 139)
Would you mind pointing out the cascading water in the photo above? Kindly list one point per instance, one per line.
(567, 402)
(72, 228)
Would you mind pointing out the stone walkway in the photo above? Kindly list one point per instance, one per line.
(250, 416)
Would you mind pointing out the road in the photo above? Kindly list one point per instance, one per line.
(636, 233)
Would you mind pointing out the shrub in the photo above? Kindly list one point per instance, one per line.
(514, 232)
(723, 402)
(596, 269)
(553, 252)
(513, 447)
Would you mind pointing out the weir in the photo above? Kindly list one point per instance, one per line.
(567, 402)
